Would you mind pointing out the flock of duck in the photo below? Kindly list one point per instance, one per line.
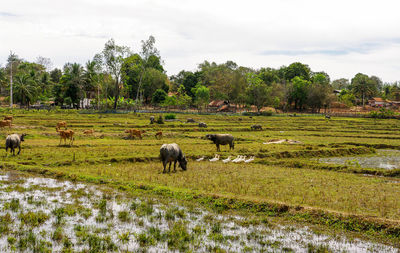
(238, 159)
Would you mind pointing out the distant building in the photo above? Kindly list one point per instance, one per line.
(378, 102)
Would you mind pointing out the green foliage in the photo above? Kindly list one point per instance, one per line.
(258, 93)
(298, 92)
(297, 69)
(383, 113)
(363, 87)
(170, 116)
(159, 96)
(201, 95)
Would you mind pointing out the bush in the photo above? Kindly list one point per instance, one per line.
(382, 114)
(170, 116)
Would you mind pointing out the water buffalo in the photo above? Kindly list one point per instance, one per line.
(151, 119)
(202, 124)
(222, 139)
(190, 120)
(256, 127)
(13, 141)
(172, 153)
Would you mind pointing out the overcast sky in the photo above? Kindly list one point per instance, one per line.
(341, 37)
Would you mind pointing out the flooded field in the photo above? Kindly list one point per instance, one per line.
(47, 215)
(384, 159)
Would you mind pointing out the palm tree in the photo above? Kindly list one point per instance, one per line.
(73, 82)
(92, 78)
(25, 89)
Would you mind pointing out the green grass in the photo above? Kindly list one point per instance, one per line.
(281, 175)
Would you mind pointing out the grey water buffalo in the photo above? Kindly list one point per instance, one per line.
(222, 139)
(256, 127)
(190, 120)
(172, 153)
(151, 119)
(13, 141)
(202, 124)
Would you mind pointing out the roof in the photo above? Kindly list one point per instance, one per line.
(378, 99)
(217, 103)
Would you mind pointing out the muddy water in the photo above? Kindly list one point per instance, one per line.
(100, 217)
(384, 159)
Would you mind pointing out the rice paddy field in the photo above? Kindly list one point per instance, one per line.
(311, 178)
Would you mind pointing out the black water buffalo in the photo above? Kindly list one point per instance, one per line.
(13, 141)
(256, 127)
(172, 153)
(222, 139)
(202, 124)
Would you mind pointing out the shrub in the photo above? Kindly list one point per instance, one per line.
(382, 114)
(170, 116)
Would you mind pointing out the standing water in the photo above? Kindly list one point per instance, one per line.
(39, 214)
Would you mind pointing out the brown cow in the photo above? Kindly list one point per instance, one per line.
(134, 132)
(159, 135)
(4, 123)
(88, 132)
(62, 124)
(66, 134)
(8, 118)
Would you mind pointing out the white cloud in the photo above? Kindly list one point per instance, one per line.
(340, 37)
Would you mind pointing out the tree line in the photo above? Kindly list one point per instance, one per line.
(117, 77)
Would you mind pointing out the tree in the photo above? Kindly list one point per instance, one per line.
(340, 84)
(148, 50)
(55, 75)
(202, 95)
(269, 75)
(297, 92)
(320, 78)
(159, 96)
(72, 83)
(25, 89)
(258, 93)
(153, 79)
(112, 58)
(297, 69)
(363, 86)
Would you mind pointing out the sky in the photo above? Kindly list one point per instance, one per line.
(341, 37)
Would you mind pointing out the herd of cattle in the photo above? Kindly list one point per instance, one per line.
(168, 152)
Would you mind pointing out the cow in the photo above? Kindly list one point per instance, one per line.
(172, 153)
(256, 127)
(134, 132)
(222, 139)
(13, 141)
(159, 135)
(4, 123)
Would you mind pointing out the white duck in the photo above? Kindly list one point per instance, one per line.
(237, 158)
(250, 159)
(227, 160)
(241, 159)
(216, 158)
(200, 159)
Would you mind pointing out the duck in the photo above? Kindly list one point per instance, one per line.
(237, 158)
(216, 158)
(227, 159)
(200, 159)
(250, 159)
(242, 158)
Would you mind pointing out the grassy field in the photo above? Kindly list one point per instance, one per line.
(284, 180)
